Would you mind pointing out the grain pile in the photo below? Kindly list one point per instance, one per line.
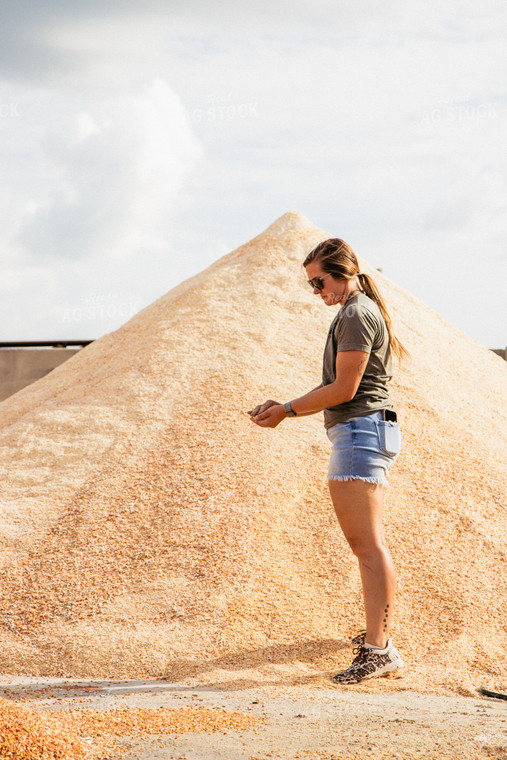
(26, 734)
(150, 528)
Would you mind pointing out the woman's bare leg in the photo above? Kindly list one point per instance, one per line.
(359, 508)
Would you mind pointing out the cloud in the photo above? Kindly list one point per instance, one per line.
(108, 173)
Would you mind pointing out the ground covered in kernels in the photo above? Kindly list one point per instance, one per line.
(157, 720)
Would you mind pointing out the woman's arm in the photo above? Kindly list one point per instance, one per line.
(350, 366)
(303, 414)
(262, 407)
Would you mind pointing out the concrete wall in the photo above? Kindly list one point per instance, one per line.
(22, 366)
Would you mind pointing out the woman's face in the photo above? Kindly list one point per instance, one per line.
(333, 289)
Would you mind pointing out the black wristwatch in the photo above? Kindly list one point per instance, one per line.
(289, 411)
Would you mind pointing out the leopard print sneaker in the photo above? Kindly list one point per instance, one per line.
(370, 662)
(359, 639)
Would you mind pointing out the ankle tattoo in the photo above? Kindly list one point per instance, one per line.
(386, 613)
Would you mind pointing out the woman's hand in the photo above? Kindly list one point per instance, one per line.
(268, 414)
(262, 407)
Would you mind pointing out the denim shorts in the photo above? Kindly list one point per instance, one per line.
(364, 448)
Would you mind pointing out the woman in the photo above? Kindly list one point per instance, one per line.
(361, 424)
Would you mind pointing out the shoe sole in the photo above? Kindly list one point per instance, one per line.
(387, 669)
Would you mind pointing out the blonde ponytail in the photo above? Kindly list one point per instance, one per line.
(368, 285)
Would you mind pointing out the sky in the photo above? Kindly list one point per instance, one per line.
(140, 142)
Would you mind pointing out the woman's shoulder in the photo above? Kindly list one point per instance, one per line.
(365, 300)
(359, 305)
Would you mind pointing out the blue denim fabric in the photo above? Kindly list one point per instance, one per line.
(364, 448)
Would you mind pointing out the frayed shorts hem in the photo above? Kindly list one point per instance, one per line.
(382, 481)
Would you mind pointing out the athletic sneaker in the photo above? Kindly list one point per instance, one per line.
(370, 662)
(360, 638)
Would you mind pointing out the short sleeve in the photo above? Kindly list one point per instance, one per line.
(356, 330)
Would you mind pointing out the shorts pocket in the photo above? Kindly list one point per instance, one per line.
(389, 437)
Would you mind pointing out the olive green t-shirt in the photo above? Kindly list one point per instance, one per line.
(359, 326)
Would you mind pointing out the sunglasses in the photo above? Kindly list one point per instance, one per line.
(317, 282)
